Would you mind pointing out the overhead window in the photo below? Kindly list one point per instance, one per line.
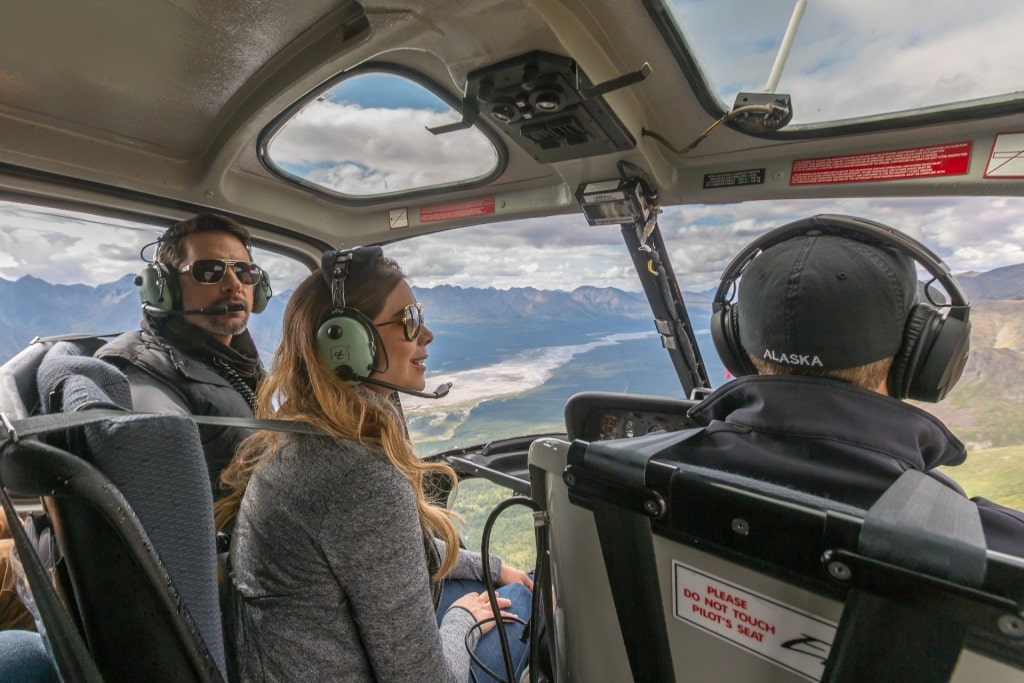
(857, 59)
(376, 134)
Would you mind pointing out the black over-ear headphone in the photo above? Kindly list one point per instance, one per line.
(346, 338)
(160, 292)
(934, 348)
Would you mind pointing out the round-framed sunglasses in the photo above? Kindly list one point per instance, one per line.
(210, 271)
(411, 321)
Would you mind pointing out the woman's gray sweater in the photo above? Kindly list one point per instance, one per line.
(331, 575)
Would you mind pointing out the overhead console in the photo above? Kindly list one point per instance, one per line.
(547, 105)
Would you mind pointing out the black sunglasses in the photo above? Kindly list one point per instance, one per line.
(411, 321)
(210, 271)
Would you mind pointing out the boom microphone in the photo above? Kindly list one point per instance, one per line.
(440, 392)
(346, 373)
(209, 310)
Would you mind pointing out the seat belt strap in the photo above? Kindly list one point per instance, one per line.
(921, 525)
(41, 424)
(628, 549)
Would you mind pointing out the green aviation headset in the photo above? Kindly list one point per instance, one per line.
(935, 345)
(160, 291)
(346, 338)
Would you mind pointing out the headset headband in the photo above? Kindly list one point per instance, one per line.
(853, 228)
(339, 265)
(346, 338)
(934, 347)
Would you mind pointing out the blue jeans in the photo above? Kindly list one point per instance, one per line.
(488, 650)
(23, 658)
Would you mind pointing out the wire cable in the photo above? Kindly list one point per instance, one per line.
(738, 111)
(541, 610)
(472, 654)
(489, 581)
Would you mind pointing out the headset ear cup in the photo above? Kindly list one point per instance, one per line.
(944, 345)
(725, 333)
(346, 342)
(157, 289)
(262, 294)
(919, 334)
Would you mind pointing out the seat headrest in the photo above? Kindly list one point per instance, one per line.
(68, 381)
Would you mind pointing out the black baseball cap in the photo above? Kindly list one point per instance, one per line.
(825, 301)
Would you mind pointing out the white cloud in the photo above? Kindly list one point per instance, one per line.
(971, 233)
(851, 58)
(340, 147)
(562, 252)
(62, 247)
(495, 256)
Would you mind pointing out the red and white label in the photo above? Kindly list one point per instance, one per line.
(791, 638)
(896, 164)
(398, 218)
(1007, 157)
(444, 212)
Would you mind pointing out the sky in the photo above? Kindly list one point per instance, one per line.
(851, 58)
(848, 59)
(968, 233)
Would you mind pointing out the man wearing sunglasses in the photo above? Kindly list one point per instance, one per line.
(193, 353)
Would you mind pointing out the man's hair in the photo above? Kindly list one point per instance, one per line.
(869, 376)
(169, 250)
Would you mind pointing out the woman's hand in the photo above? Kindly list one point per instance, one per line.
(510, 574)
(479, 605)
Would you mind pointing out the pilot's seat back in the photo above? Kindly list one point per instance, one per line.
(723, 579)
(132, 510)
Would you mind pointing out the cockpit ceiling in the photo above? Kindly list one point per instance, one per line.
(163, 107)
(163, 77)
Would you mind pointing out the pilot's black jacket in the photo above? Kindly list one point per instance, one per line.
(167, 378)
(831, 439)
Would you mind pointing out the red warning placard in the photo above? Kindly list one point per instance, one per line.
(444, 212)
(791, 638)
(896, 164)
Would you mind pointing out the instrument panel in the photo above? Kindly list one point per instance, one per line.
(591, 416)
(624, 424)
(598, 416)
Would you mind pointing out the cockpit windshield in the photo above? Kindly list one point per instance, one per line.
(524, 316)
(854, 59)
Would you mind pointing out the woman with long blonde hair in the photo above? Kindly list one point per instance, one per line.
(337, 552)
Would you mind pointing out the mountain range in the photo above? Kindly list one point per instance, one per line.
(34, 307)
(985, 409)
(1005, 283)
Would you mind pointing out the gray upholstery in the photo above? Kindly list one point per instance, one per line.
(18, 394)
(156, 462)
(69, 381)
